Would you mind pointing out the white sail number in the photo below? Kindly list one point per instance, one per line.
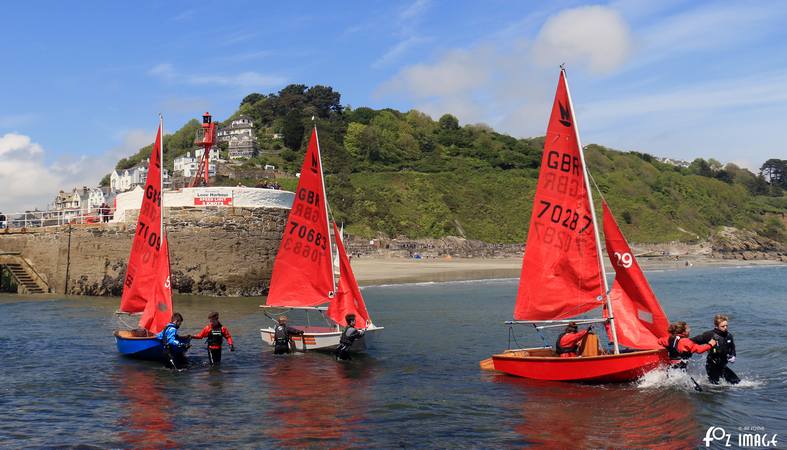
(624, 260)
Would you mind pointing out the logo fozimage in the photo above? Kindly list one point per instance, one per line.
(743, 439)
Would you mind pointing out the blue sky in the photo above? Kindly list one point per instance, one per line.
(82, 82)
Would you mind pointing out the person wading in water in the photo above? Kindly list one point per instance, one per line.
(349, 336)
(216, 333)
(175, 346)
(722, 353)
(680, 347)
(282, 337)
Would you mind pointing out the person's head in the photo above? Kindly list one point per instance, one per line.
(679, 329)
(214, 318)
(571, 327)
(282, 320)
(721, 321)
(350, 319)
(177, 319)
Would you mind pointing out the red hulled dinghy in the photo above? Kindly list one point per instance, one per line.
(563, 276)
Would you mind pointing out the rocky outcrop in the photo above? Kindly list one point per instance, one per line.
(732, 243)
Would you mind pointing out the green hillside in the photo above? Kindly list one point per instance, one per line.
(405, 174)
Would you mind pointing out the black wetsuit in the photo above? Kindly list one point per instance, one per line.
(281, 339)
(718, 356)
(346, 341)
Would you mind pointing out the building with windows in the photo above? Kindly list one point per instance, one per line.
(125, 180)
(186, 165)
(240, 137)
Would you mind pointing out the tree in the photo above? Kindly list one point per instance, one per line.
(775, 172)
(700, 167)
(293, 130)
(352, 139)
(251, 99)
(324, 99)
(449, 122)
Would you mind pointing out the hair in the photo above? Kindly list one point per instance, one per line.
(719, 318)
(677, 328)
(213, 315)
(176, 316)
(349, 317)
(571, 327)
(282, 318)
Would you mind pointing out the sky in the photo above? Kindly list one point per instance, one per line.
(82, 83)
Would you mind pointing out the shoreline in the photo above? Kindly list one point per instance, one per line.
(386, 271)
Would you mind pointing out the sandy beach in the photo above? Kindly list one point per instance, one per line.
(376, 271)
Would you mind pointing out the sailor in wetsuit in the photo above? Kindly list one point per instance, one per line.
(722, 353)
(282, 341)
(680, 347)
(175, 346)
(347, 338)
(216, 333)
(567, 343)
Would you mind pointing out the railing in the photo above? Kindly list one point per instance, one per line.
(58, 217)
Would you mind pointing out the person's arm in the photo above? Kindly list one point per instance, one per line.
(226, 333)
(294, 331)
(172, 338)
(703, 338)
(571, 339)
(693, 347)
(202, 334)
(731, 349)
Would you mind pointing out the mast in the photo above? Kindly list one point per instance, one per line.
(325, 202)
(593, 216)
(161, 176)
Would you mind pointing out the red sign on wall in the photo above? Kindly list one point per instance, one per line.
(213, 198)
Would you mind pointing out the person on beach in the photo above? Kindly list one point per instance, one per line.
(282, 337)
(215, 333)
(680, 347)
(722, 353)
(349, 336)
(175, 346)
(568, 342)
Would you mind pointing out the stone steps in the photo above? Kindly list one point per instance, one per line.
(27, 278)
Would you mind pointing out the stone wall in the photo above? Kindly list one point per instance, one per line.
(214, 251)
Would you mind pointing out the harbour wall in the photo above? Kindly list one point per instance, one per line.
(214, 251)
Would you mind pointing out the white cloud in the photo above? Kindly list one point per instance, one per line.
(596, 36)
(31, 178)
(254, 80)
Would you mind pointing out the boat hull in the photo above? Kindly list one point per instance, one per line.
(543, 364)
(145, 347)
(324, 338)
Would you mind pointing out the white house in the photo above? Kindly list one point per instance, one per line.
(186, 165)
(125, 180)
(90, 199)
(239, 134)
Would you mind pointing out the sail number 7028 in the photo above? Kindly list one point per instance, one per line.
(564, 216)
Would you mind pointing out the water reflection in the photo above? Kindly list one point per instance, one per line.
(146, 422)
(314, 400)
(562, 415)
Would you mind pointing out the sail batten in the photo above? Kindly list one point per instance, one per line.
(561, 274)
(303, 269)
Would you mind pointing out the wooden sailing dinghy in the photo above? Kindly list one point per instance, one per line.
(563, 276)
(146, 288)
(303, 273)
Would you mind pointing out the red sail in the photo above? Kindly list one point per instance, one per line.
(348, 296)
(303, 271)
(561, 274)
(146, 286)
(639, 319)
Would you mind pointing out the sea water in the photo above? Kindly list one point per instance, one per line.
(63, 383)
